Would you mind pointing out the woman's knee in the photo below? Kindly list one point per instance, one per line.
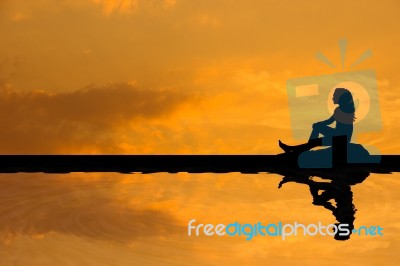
(316, 126)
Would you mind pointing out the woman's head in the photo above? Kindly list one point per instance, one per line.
(344, 98)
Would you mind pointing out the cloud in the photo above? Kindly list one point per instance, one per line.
(219, 108)
(40, 122)
(129, 6)
(121, 6)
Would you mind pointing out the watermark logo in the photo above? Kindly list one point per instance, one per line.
(279, 229)
(311, 99)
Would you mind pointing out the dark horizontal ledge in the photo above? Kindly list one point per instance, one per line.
(173, 164)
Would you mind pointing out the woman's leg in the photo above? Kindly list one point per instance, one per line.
(314, 140)
(312, 143)
(322, 129)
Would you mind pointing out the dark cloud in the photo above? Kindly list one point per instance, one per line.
(40, 122)
(37, 205)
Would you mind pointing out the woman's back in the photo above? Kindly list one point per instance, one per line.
(344, 122)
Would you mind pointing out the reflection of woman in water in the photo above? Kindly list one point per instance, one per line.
(339, 191)
(343, 116)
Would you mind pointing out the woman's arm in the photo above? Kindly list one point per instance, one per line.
(327, 121)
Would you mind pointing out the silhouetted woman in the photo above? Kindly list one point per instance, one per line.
(344, 116)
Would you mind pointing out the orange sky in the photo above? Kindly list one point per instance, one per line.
(213, 73)
(187, 77)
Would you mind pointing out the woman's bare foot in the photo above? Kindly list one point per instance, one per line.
(285, 147)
